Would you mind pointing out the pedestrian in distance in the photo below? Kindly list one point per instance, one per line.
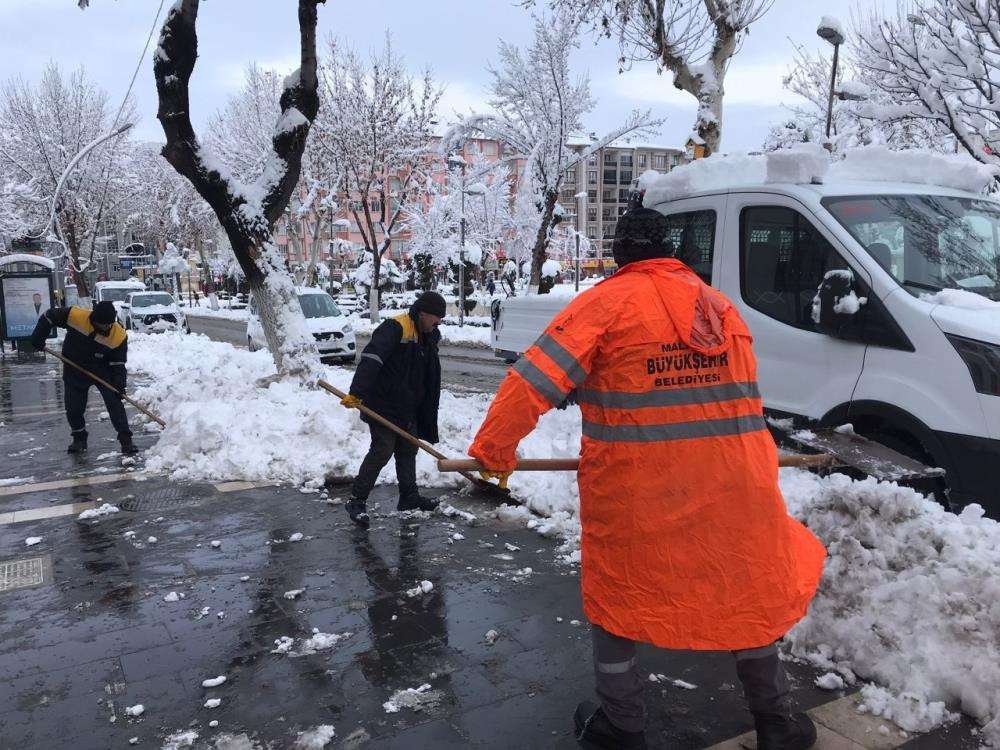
(398, 377)
(686, 540)
(98, 343)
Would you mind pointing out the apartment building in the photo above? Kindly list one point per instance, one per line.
(607, 178)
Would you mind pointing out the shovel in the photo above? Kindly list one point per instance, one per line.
(573, 464)
(426, 447)
(107, 385)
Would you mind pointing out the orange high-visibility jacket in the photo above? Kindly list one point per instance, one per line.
(686, 541)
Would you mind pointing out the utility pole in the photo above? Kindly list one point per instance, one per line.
(461, 258)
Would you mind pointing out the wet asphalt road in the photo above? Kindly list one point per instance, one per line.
(464, 368)
(97, 636)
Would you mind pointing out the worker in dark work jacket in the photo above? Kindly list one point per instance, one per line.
(97, 343)
(398, 377)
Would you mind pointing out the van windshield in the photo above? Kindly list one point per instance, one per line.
(927, 242)
(318, 306)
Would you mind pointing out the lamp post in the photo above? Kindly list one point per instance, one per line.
(581, 208)
(830, 31)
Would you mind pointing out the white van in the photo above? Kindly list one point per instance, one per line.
(330, 327)
(153, 312)
(908, 351)
(117, 292)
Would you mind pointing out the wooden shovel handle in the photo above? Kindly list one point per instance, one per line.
(573, 464)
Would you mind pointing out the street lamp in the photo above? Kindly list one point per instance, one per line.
(581, 208)
(830, 30)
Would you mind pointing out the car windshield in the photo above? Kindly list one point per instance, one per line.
(149, 300)
(116, 294)
(318, 306)
(927, 242)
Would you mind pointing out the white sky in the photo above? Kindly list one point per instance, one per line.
(456, 38)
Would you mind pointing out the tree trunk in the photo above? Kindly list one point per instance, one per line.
(82, 288)
(373, 295)
(539, 251)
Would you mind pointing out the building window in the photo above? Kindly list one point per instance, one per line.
(592, 195)
(592, 231)
(591, 214)
(623, 195)
(783, 260)
(626, 160)
(622, 209)
(625, 177)
(611, 157)
(659, 161)
(489, 148)
(608, 196)
(571, 175)
(609, 229)
(642, 161)
(607, 214)
(610, 176)
(592, 176)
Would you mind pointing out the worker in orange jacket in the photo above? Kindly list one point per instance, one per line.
(686, 541)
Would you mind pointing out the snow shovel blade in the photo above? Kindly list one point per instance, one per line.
(866, 456)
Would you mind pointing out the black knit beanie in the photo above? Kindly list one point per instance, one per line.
(104, 313)
(641, 235)
(431, 303)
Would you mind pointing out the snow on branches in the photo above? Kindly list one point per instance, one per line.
(937, 61)
(537, 105)
(693, 39)
(374, 129)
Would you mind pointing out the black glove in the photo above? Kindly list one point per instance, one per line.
(38, 343)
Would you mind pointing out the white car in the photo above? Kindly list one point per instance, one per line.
(912, 362)
(152, 312)
(334, 336)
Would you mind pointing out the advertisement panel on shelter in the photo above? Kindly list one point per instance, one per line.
(24, 300)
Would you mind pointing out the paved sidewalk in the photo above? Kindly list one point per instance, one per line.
(94, 634)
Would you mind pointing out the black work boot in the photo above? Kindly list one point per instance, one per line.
(357, 509)
(595, 730)
(79, 444)
(765, 686)
(413, 501)
(784, 731)
(128, 447)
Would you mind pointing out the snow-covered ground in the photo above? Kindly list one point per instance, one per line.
(909, 600)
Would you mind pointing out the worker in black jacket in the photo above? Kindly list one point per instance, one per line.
(399, 377)
(97, 343)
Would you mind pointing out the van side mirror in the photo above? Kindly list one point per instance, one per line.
(836, 305)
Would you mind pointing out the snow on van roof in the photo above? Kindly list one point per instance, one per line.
(810, 163)
(130, 283)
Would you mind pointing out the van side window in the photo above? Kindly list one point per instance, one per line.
(692, 235)
(783, 259)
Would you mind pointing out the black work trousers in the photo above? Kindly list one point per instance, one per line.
(385, 445)
(76, 392)
(619, 685)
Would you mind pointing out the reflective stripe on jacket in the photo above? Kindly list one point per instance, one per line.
(105, 356)
(686, 541)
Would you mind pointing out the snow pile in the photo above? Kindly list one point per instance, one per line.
(31, 541)
(316, 738)
(424, 587)
(714, 172)
(213, 681)
(321, 642)
(551, 268)
(221, 425)
(137, 710)
(961, 298)
(803, 163)
(416, 699)
(178, 740)
(171, 262)
(106, 509)
(909, 599)
(921, 166)
(831, 23)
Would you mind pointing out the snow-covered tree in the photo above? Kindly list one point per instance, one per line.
(937, 62)
(375, 128)
(693, 39)
(537, 106)
(42, 130)
(247, 210)
(808, 79)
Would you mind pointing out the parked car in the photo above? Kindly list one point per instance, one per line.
(117, 292)
(153, 312)
(334, 336)
(894, 355)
